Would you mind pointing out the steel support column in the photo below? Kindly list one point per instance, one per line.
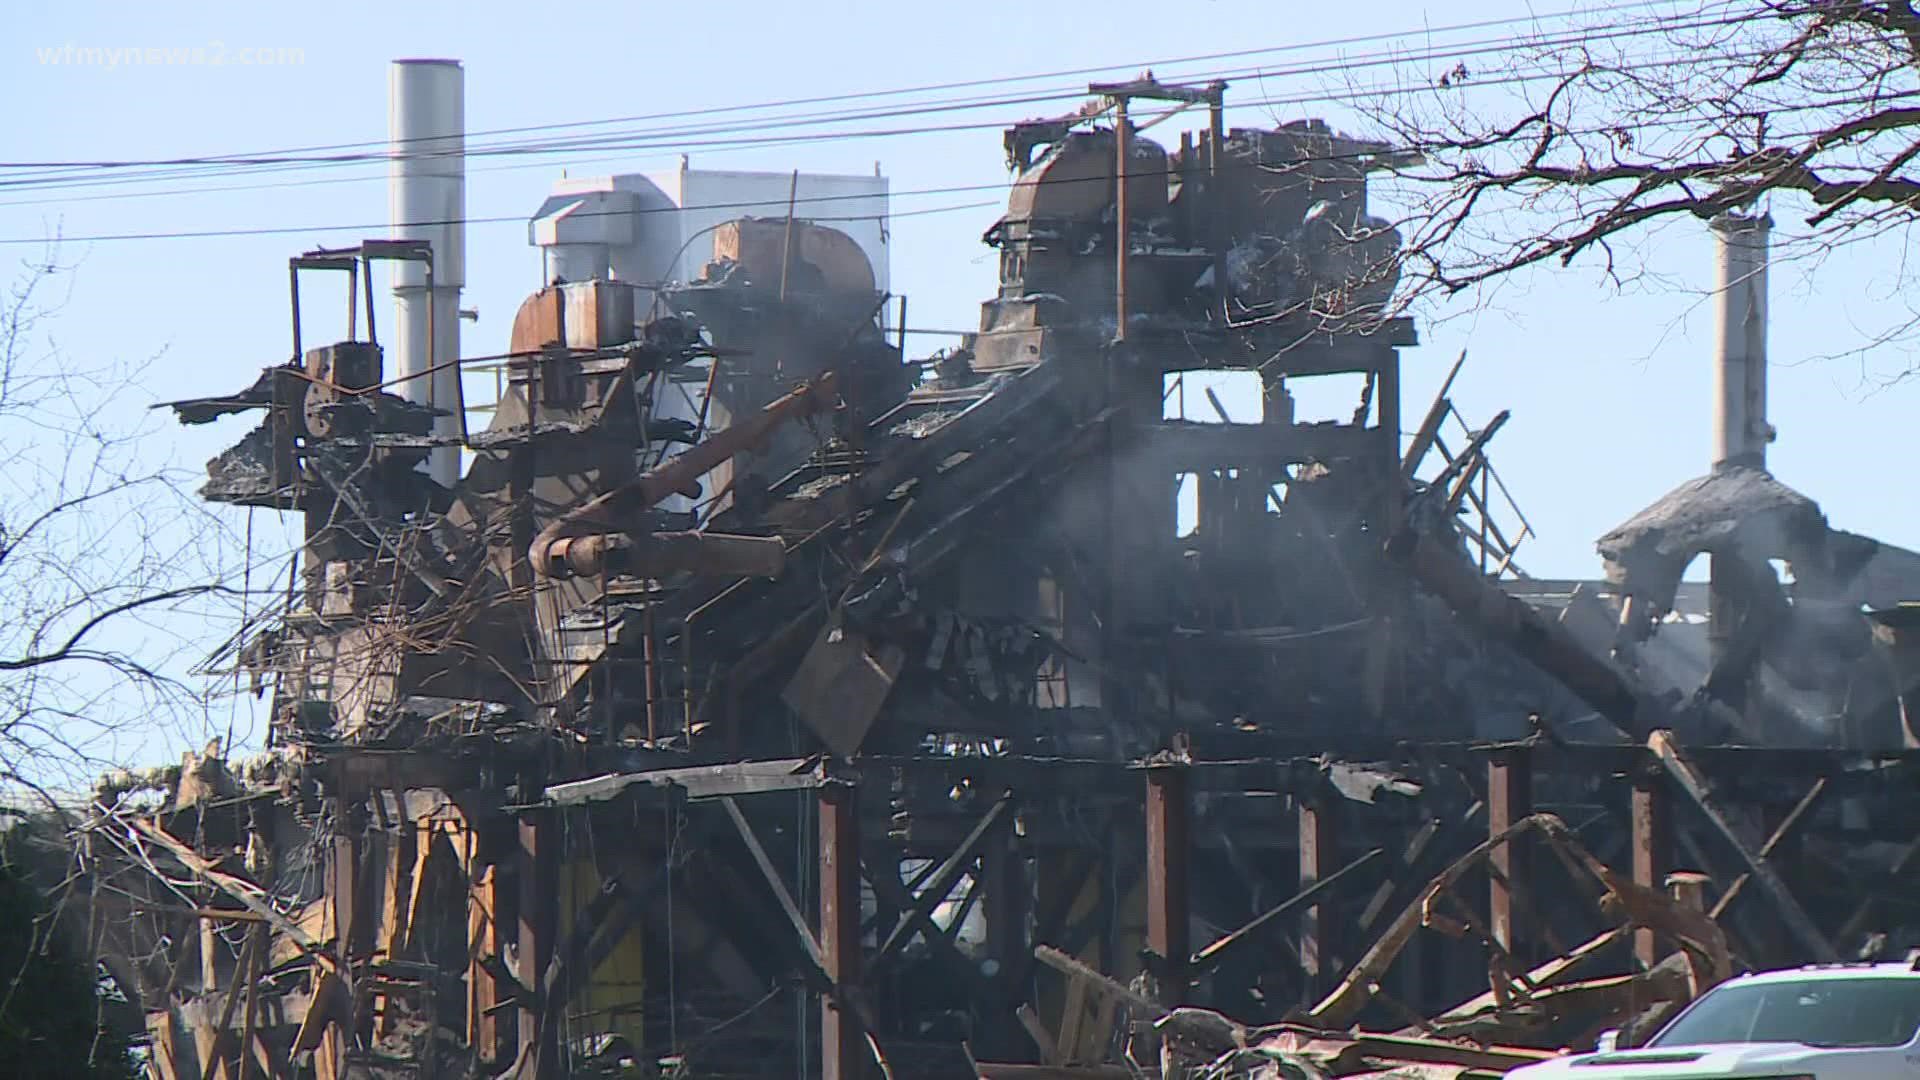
(1652, 848)
(1008, 903)
(843, 1049)
(1319, 858)
(539, 858)
(1168, 811)
(1509, 801)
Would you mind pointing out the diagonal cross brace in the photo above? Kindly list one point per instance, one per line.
(794, 915)
(1668, 752)
(941, 884)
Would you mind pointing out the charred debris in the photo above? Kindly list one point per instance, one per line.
(872, 715)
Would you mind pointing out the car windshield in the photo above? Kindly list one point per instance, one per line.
(1817, 1012)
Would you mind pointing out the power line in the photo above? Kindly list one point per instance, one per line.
(676, 139)
(999, 186)
(1636, 5)
(662, 138)
(1360, 94)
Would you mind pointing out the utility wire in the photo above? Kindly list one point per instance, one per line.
(1000, 186)
(664, 140)
(1535, 18)
(1353, 94)
(633, 139)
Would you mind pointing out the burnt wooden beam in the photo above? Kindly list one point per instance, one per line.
(1695, 786)
(241, 987)
(484, 938)
(249, 894)
(1113, 988)
(1429, 428)
(1196, 1024)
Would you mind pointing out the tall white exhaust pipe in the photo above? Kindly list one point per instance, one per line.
(1740, 429)
(427, 200)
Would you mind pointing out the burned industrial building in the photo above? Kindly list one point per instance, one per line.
(753, 698)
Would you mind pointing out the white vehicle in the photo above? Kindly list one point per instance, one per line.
(1825, 1022)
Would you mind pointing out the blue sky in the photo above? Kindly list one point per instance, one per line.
(1608, 390)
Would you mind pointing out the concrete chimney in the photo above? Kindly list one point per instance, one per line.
(1740, 429)
(427, 200)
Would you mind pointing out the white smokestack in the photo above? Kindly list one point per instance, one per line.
(427, 200)
(1740, 429)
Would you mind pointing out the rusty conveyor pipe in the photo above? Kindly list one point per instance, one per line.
(654, 554)
(591, 537)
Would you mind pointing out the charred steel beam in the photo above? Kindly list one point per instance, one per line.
(896, 898)
(694, 782)
(596, 931)
(843, 1051)
(1155, 90)
(772, 876)
(617, 511)
(1206, 958)
(1191, 446)
(1903, 867)
(941, 884)
(1009, 896)
(1695, 786)
(1541, 641)
(1008, 904)
(1169, 810)
(1778, 837)
(539, 871)
(1319, 929)
(1449, 818)
(1361, 982)
(1509, 802)
(1652, 840)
